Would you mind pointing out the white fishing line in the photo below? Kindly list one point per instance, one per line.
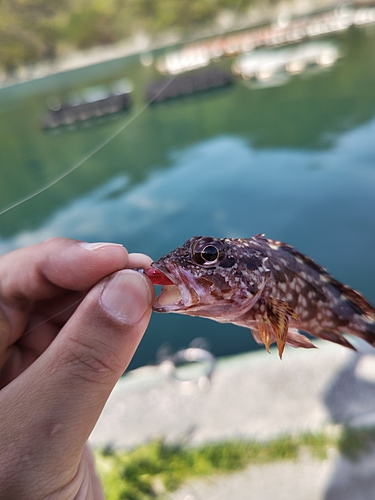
(81, 162)
(89, 155)
(98, 148)
(29, 330)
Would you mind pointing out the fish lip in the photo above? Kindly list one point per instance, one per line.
(181, 282)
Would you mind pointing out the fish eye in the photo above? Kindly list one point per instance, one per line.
(208, 252)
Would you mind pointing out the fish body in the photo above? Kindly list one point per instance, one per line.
(265, 285)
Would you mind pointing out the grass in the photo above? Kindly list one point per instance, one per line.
(154, 469)
(356, 442)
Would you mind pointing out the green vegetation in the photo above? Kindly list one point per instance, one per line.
(31, 30)
(354, 442)
(152, 470)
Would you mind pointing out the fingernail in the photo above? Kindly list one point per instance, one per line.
(100, 244)
(126, 296)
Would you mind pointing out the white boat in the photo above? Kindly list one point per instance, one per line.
(264, 64)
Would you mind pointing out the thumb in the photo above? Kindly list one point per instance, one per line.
(58, 399)
(98, 342)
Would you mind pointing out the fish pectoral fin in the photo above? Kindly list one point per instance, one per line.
(278, 313)
(265, 332)
(283, 308)
(274, 324)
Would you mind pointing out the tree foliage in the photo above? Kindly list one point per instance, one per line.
(27, 30)
(32, 30)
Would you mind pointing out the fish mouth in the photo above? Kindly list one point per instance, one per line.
(182, 294)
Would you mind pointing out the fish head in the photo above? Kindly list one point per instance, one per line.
(211, 277)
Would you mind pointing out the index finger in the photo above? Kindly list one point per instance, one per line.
(41, 271)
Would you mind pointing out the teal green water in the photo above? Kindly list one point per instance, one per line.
(294, 161)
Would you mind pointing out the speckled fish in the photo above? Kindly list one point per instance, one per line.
(262, 284)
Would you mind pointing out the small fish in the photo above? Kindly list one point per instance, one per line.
(262, 284)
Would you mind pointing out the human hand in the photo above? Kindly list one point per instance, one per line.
(68, 330)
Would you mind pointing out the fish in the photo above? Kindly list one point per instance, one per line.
(262, 284)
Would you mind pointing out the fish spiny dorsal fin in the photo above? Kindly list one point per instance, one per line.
(357, 299)
(278, 313)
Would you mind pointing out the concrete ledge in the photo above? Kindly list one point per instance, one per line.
(253, 395)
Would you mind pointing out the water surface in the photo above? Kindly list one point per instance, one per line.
(295, 161)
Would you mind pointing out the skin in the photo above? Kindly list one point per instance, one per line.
(71, 318)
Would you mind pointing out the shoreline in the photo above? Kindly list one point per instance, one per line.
(226, 24)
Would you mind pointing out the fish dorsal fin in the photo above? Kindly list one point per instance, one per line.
(358, 300)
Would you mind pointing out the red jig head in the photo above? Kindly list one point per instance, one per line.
(157, 277)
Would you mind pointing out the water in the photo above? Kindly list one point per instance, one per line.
(295, 161)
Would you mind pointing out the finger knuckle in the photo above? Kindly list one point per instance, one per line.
(94, 361)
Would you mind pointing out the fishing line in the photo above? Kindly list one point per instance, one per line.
(100, 146)
(89, 155)
(29, 330)
(86, 158)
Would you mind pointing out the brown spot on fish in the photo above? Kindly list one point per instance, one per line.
(265, 285)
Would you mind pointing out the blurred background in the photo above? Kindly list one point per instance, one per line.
(220, 118)
(147, 122)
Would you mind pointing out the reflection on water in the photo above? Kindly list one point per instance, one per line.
(295, 162)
